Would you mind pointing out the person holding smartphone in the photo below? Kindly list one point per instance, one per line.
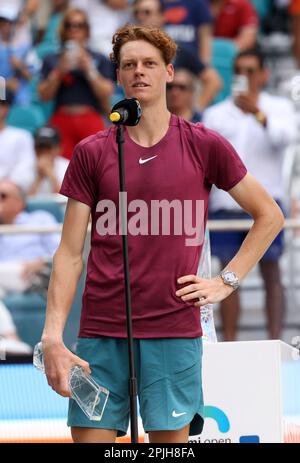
(79, 82)
(260, 126)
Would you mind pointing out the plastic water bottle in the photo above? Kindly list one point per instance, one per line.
(90, 397)
(206, 311)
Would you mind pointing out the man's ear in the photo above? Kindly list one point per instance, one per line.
(170, 73)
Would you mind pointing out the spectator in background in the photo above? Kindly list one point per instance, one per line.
(295, 13)
(236, 20)
(22, 257)
(50, 166)
(79, 82)
(181, 96)
(10, 342)
(17, 159)
(189, 23)
(25, 11)
(149, 13)
(260, 126)
(105, 17)
(18, 62)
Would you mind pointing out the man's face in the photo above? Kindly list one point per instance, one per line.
(45, 150)
(76, 27)
(180, 92)
(249, 66)
(11, 202)
(148, 13)
(4, 109)
(6, 28)
(143, 73)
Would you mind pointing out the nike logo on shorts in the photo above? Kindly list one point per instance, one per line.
(142, 161)
(176, 415)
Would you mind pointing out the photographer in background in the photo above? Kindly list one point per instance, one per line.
(79, 82)
(260, 126)
(50, 166)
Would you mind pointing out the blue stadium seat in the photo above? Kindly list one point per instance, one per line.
(223, 55)
(49, 205)
(263, 7)
(28, 117)
(46, 48)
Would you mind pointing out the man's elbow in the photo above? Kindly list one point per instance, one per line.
(277, 218)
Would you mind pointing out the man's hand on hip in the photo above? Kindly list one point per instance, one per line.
(209, 291)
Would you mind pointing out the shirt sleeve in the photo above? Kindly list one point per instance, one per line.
(221, 163)
(79, 180)
(248, 15)
(282, 125)
(23, 171)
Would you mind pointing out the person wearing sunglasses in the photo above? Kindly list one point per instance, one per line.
(260, 126)
(78, 80)
(181, 96)
(150, 13)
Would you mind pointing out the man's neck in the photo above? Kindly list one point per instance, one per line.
(152, 127)
(2, 124)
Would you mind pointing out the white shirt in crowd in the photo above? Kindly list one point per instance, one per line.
(261, 148)
(60, 167)
(17, 157)
(30, 246)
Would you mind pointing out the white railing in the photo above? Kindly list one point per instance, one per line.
(213, 225)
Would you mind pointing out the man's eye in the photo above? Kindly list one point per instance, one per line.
(150, 63)
(127, 65)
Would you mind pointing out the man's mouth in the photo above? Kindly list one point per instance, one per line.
(140, 85)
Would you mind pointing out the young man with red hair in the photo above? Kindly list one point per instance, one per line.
(166, 158)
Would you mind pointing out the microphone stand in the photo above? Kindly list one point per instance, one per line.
(132, 374)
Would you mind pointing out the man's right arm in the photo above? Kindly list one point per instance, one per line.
(67, 268)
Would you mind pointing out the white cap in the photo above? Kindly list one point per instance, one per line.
(9, 12)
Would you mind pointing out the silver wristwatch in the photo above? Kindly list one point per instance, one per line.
(230, 278)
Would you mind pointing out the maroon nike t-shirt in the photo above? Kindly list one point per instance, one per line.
(179, 169)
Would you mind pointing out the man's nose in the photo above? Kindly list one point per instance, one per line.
(139, 69)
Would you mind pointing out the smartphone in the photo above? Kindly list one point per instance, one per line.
(240, 84)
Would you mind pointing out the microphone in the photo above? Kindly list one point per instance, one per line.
(126, 112)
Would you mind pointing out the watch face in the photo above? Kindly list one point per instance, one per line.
(230, 277)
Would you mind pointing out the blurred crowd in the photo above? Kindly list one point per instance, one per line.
(58, 84)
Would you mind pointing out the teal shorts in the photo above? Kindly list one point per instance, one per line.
(169, 382)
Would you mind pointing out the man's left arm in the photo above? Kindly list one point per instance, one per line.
(268, 221)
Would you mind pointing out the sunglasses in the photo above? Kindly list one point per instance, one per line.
(75, 25)
(3, 195)
(247, 70)
(144, 12)
(181, 87)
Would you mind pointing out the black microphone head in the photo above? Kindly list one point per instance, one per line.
(133, 108)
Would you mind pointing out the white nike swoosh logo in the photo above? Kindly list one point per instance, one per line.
(142, 161)
(176, 415)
